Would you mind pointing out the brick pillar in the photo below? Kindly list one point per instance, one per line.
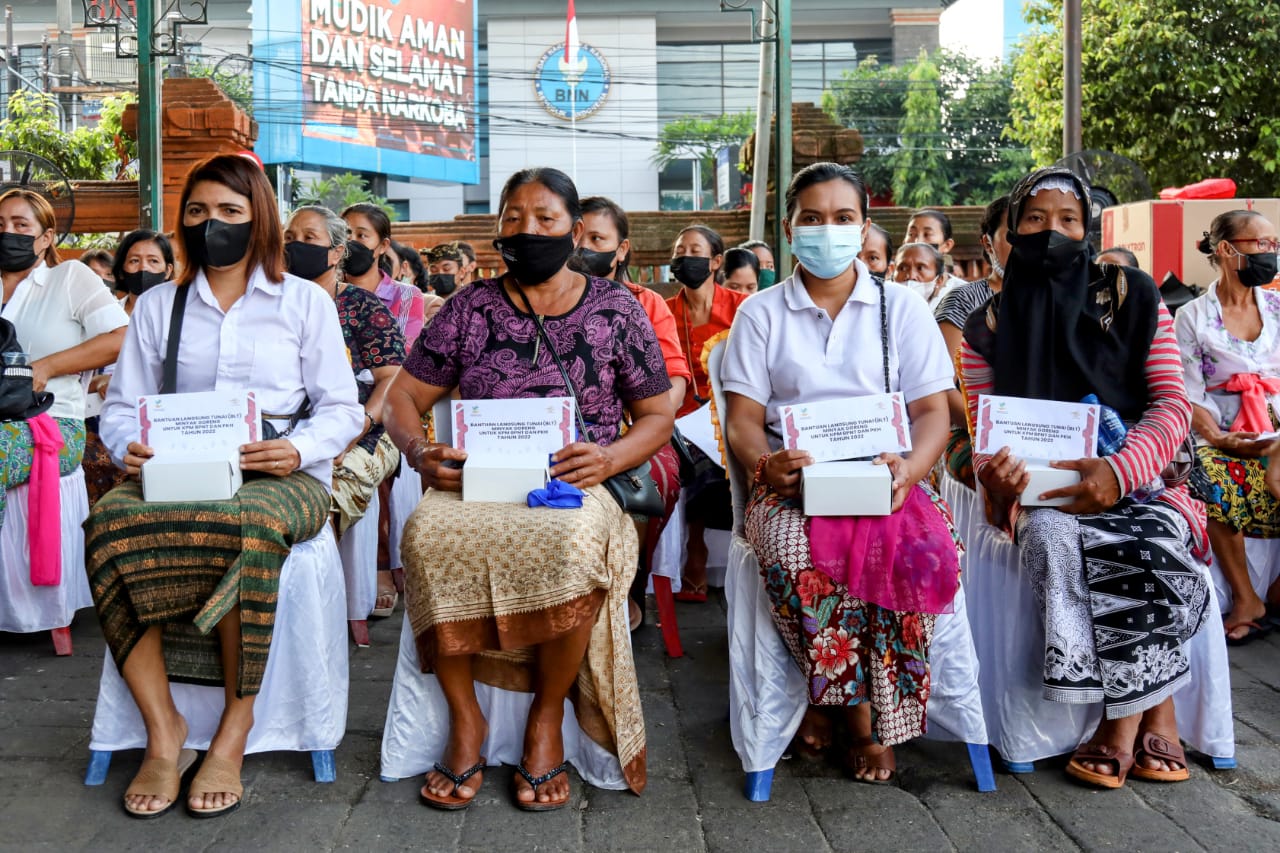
(913, 29)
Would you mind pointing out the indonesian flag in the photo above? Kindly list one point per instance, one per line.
(572, 43)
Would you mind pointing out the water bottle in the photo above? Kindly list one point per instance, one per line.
(1111, 429)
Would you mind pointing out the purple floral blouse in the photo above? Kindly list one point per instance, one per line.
(484, 345)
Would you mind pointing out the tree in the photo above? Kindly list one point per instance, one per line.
(690, 137)
(920, 170)
(339, 192)
(1183, 87)
(97, 153)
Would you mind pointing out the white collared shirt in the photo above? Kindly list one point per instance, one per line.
(784, 350)
(57, 308)
(281, 340)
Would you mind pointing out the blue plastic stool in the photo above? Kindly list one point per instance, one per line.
(322, 764)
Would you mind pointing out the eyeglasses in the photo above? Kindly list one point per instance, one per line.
(1264, 244)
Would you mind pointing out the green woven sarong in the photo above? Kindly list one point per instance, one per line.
(187, 565)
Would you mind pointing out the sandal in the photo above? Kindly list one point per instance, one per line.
(691, 593)
(534, 782)
(216, 776)
(384, 612)
(1161, 749)
(158, 777)
(1099, 752)
(452, 802)
(1256, 632)
(857, 761)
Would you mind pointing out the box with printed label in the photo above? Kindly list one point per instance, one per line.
(501, 480)
(847, 488)
(1046, 479)
(201, 480)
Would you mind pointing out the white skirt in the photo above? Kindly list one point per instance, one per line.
(25, 609)
(406, 493)
(359, 550)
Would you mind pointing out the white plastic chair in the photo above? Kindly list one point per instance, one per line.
(302, 706)
(1263, 557)
(1025, 727)
(359, 553)
(27, 609)
(767, 693)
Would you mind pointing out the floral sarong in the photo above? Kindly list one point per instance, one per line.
(17, 450)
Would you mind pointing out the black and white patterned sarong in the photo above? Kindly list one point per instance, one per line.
(1121, 596)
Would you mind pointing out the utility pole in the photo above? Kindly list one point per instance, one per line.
(764, 112)
(11, 55)
(150, 182)
(1072, 48)
(782, 251)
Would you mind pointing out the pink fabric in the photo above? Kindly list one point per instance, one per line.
(1253, 391)
(44, 512)
(905, 562)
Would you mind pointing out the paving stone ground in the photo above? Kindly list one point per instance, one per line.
(693, 802)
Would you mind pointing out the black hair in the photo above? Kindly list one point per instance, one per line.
(937, 216)
(756, 244)
(884, 235)
(101, 256)
(466, 249)
(820, 173)
(132, 239)
(939, 263)
(737, 258)
(1225, 226)
(1130, 259)
(409, 255)
(993, 217)
(714, 240)
(553, 179)
(377, 217)
(600, 204)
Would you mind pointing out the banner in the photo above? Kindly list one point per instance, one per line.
(375, 85)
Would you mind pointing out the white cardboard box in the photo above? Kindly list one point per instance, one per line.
(501, 481)
(1046, 479)
(847, 488)
(208, 480)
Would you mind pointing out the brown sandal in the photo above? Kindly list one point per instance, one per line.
(857, 761)
(158, 778)
(1097, 753)
(216, 776)
(1157, 747)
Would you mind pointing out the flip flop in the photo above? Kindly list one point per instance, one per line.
(384, 612)
(857, 762)
(1097, 753)
(691, 593)
(158, 777)
(534, 782)
(1256, 631)
(452, 803)
(1161, 749)
(216, 776)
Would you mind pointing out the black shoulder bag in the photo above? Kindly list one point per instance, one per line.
(18, 400)
(169, 378)
(634, 490)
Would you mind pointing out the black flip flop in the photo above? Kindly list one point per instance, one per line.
(534, 782)
(452, 803)
(1256, 631)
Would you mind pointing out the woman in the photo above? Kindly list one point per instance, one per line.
(831, 332)
(369, 241)
(741, 271)
(603, 251)
(560, 612)
(1063, 328)
(68, 322)
(247, 325)
(702, 309)
(143, 260)
(952, 313)
(410, 270)
(933, 227)
(877, 251)
(1230, 343)
(768, 272)
(922, 270)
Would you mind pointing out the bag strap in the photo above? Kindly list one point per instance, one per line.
(169, 382)
(564, 374)
(884, 334)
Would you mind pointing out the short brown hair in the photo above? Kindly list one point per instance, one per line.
(44, 217)
(241, 176)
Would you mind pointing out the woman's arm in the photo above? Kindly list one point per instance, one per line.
(585, 464)
(952, 334)
(98, 351)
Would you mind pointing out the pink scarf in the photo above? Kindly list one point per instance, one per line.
(44, 510)
(906, 562)
(1253, 391)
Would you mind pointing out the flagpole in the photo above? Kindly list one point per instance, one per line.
(573, 126)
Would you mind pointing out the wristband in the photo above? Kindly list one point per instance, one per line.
(758, 479)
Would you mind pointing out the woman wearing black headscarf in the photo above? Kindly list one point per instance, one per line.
(1115, 570)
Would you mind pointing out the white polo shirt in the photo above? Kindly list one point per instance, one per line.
(784, 350)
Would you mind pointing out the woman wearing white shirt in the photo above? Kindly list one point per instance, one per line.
(1229, 339)
(67, 321)
(157, 569)
(832, 332)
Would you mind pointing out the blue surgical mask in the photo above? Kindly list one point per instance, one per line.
(826, 250)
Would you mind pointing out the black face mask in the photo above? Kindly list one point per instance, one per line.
(141, 281)
(1047, 253)
(534, 258)
(598, 264)
(1259, 269)
(306, 260)
(17, 252)
(359, 258)
(214, 243)
(443, 283)
(691, 271)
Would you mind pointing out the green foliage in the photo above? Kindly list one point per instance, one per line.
(340, 191)
(956, 151)
(237, 87)
(1182, 87)
(693, 136)
(86, 153)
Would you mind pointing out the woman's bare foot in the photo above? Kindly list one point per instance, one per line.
(1243, 611)
(228, 743)
(1159, 721)
(871, 762)
(814, 734)
(387, 594)
(164, 742)
(543, 752)
(466, 737)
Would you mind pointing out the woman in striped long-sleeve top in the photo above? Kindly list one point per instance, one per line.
(1116, 570)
